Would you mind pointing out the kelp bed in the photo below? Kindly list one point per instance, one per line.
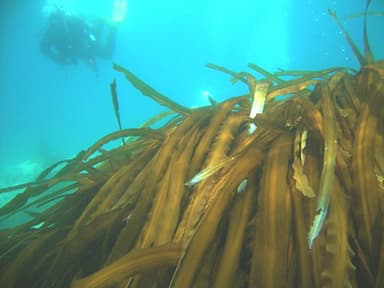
(289, 195)
(203, 201)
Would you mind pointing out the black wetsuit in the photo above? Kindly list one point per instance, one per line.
(69, 38)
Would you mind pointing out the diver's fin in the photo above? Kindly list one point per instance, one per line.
(119, 10)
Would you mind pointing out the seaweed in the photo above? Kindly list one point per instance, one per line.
(150, 92)
(125, 217)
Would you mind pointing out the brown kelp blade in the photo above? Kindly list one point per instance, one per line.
(147, 90)
(328, 169)
(209, 171)
(372, 13)
(367, 49)
(368, 55)
(235, 75)
(321, 74)
(115, 102)
(132, 263)
(157, 118)
(142, 132)
(264, 72)
(294, 85)
(360, 57)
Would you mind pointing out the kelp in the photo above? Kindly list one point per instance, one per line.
(115, 102)
(301, 179)
(322, 74)
(367, 57)
(80, 169)
(328, 169)
(273, 220)
(236, 76)
(150, 92)
(201, 202)
(156, 119)
(135, 261)
(370, 13)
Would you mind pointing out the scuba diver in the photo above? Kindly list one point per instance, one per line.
(68, 38)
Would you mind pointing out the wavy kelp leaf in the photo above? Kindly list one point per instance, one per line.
(338, 267)
(166, 206)
(204, 275)
(360, 57)
(115, 102)
(272, 236)
(243, 75)
(235, 75)
(208, 137)
(16, 203)
(299, 230)
(116, 186)
(45, 173)
(267, 74)
(34, 189)
(301, 179)
(357, 15)
(379, 155)
(147, 90)
(259, 91)
(72, 167)
(328, 169)
(379, 282)
(216, 143)
(312, 118)
(293, 86)
(322, 74)
(27, 256)
(377, 67)
(208, 171)
(40, 179)
(135, 261)
(23, 201)
(239, 216)
(142, 132)
(363, 165)
(259, 95)
(156, 118)
(217, 203)
(212, 101)
(367, 49)
(145, 183)
(74, 253)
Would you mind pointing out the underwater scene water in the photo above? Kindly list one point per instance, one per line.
(274, 167)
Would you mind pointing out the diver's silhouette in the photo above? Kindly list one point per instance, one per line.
(68, 38)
